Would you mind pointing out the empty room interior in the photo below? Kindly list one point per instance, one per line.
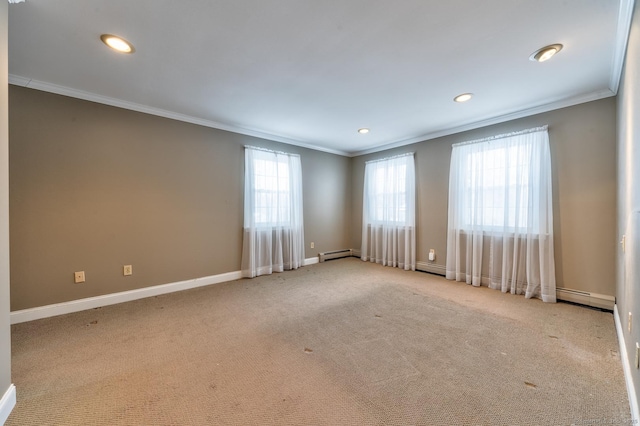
(298, 212)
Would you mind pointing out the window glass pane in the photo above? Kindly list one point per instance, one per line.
(496, 184)
(272, 192)
(387, 191)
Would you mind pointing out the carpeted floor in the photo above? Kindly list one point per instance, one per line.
(338, 343)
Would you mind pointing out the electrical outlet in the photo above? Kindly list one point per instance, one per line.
(630, 322)
(637, 355)
(432, 255)
(78, 277)
(127, 270)
(313, 245)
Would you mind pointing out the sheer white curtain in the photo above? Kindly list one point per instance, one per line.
(273, 229)
(501, 214)
(388, 212)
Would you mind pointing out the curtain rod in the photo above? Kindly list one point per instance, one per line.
(505, 135)
(259, 148)
(390, 158)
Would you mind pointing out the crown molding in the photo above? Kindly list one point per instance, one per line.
(562, 103)
(625, 14)
(92, 97)
(17, 80)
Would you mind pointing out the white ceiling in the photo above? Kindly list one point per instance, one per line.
(311, 72)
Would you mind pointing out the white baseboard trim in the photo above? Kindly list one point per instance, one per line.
(626, 367)
(7, 403)
(40, 312)
(311, 261)
(55, 309)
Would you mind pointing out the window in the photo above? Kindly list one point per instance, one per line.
(388, 214)
(497, 187)
(272, 194)
(501, 214)
(273, 238)
(496, 183)
(386, 190)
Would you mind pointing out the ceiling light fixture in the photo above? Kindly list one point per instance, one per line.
(363, 131)
(545, 53)
(463, 98)
(117, 43)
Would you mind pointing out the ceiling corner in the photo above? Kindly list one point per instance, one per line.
(625, 13)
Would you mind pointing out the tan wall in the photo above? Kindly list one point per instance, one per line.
(95, 187)
(583, 158)
(5, 331)
(628, 262)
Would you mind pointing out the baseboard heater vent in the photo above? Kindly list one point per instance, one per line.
(336, 254)
(596, 300)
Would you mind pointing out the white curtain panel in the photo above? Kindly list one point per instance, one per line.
(500, 230)
(273, 238)
(388, 213)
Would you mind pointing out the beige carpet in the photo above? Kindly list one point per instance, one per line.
(339, 343)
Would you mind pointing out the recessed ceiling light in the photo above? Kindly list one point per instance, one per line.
(545, 53)
(363, 131)
(463, 98)
(117, 43)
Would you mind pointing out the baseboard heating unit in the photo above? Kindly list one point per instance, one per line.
(336, 254)
(596, 300)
